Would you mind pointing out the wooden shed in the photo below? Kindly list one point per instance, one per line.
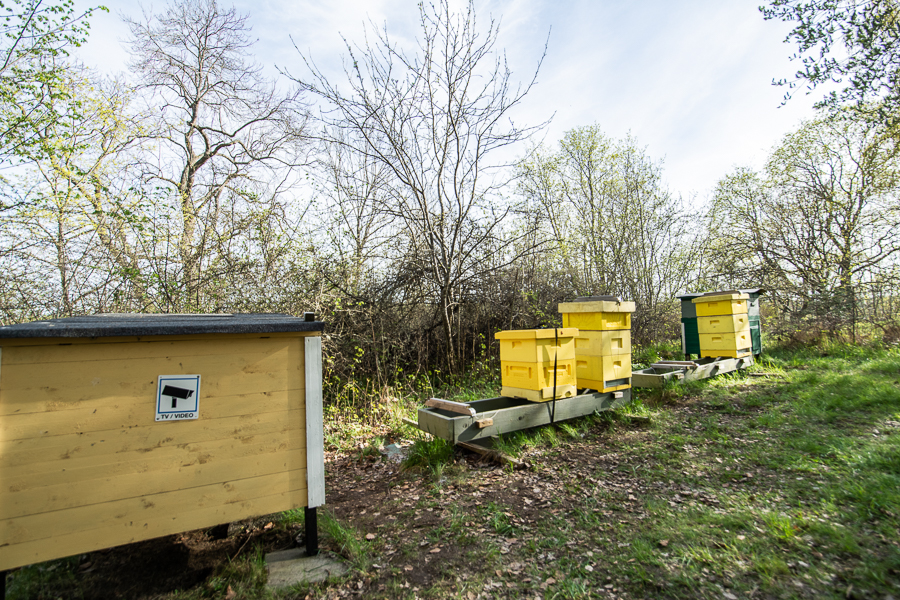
(121, 428)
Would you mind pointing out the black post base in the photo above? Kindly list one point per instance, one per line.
(219, 532)
(312, 532)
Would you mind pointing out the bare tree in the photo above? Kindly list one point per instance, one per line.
(222, 129)
(439, 122)
(354, 190)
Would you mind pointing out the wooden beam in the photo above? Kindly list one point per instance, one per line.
(448, 405)
(680, 363)
(315, 442)
(491, 454)
(659, 373)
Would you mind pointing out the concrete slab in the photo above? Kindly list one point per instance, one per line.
(289, 567)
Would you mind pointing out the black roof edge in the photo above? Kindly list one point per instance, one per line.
(134, 324)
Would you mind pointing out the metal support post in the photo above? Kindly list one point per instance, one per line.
(312, 532)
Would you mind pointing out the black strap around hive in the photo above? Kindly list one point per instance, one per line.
(555, 363)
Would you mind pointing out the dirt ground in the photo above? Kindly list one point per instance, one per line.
(378, 498)
(176, 562)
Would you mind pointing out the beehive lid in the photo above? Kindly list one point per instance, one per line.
(721, 296)
(595, 304)
(692, 295)
(536, 334)
(132, 324)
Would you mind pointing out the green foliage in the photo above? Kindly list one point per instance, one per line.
(819, 228)
(644, 355)
(36, 38)
(856, 44)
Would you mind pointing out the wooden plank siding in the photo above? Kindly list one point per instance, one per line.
(84, 466)
(144, 439)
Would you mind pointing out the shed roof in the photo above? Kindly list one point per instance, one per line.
(128, 324)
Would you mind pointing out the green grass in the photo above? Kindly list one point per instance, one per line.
(825, 487)
(431, 455)
(245, 578)
(51, 579)
(348, 541)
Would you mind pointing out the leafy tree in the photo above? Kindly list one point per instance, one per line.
(36, 38)
(76, 229)
(851, 42)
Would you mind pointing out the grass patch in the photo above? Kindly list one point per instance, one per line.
(244, 578)
(431, 455)
(350, 543)
(50, 580)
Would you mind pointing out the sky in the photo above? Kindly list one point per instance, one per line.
(691, 80)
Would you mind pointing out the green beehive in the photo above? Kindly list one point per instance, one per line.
(690, 332)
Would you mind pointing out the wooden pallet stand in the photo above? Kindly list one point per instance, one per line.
(496, 416)
(659, 373)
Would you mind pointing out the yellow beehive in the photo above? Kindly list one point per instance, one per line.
(597, 321)
(597, 315)
(733, 303)
(734, 345)
(537, 345)
(527, 358)
(723, 324)
(603, 373)
(534, 381)
(603, 343)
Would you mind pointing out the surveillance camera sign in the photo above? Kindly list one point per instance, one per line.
(178, 398)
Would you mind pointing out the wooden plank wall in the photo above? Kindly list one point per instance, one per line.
(84, 466)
